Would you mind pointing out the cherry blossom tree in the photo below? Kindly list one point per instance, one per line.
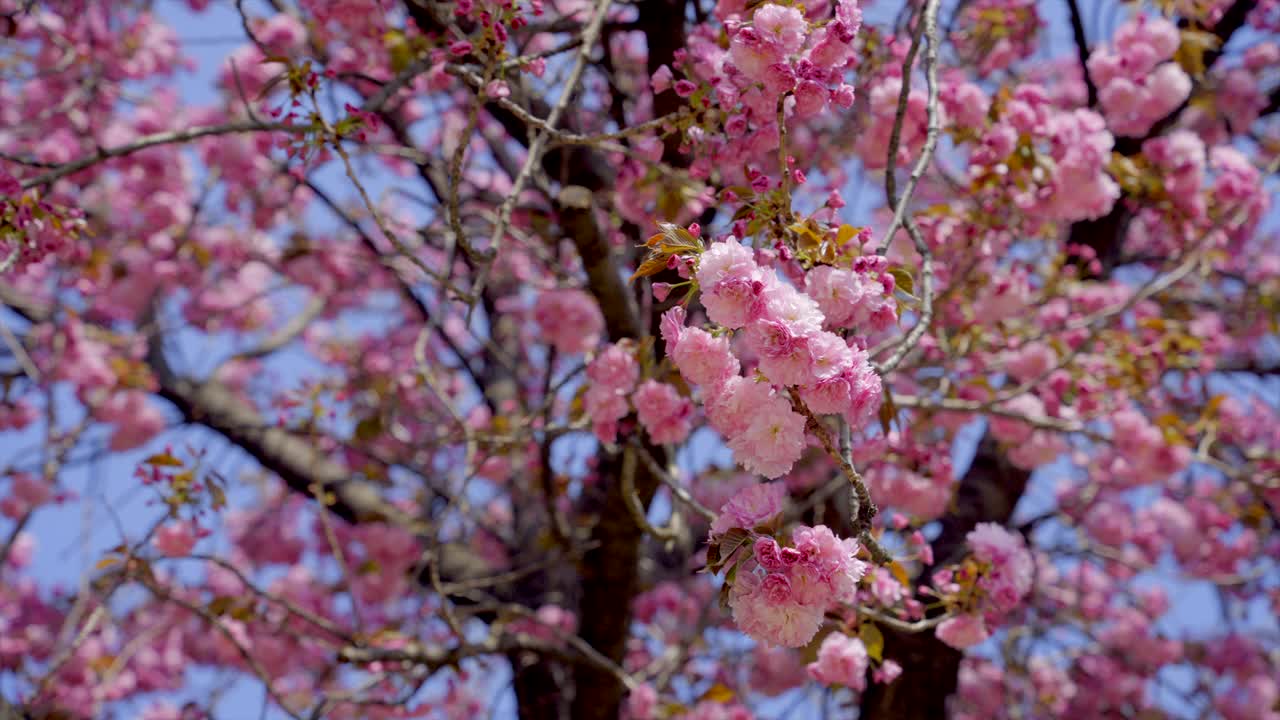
(641, 358)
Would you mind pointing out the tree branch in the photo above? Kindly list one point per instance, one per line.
(900, 213)
(1082, 50)
(296, 460)
(538, 145)
(164, 138)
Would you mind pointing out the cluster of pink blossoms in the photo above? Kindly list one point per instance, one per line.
(1241, 95)
(33, 228)
(882, 111)
(842, 660)
(750, 507)
(177, 538)
(915, 478)
(569, 319)
(662, 411)
(962, 104)
(781, 594)
(17, 414)
(765, 52)
(1137, 83)
(775, 53)
(988, 691)
(1068, 179)
(612, 376)
(26, 493)
(642, 704)
(789, 334)
(1140, 454)
(994, 34)
(1007, 571)
(1253, 690)
(1181, 157)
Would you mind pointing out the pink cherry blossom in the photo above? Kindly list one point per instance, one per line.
(783, 622)
(842, 660)
(1012, 568)
(771, 443)
(662, 412)
(175, 539)
(730, 281)
(962, 631)
(754, 505)
(570, 319)
(704, 359)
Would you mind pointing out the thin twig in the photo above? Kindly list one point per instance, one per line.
(867, 509)
(221, 628)
(287, 333)
(1082, 51)
(424, 371)
(539, 143)
(585, 650)
(901, 625)
(164, 138)
(900, 215)
(454, 212)
(899, 118)
(1042, 422)
(1093, 322)
(931, 138)
(632, 498)
(289, 607)
(19, 352)
(340, 557)
(680, 492)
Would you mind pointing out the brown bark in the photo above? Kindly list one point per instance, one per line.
(609, 574)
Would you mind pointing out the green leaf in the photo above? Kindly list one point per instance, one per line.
(398, 48)
(676, 239)
(652, 265)
(731, 541)
(713, 557)
(1191, 51)
(903, 278)
(243, 613)
(873, 639)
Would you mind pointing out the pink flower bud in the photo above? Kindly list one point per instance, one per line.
(766, 553)
(497, 89)
(777, 587)
(661, 80)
